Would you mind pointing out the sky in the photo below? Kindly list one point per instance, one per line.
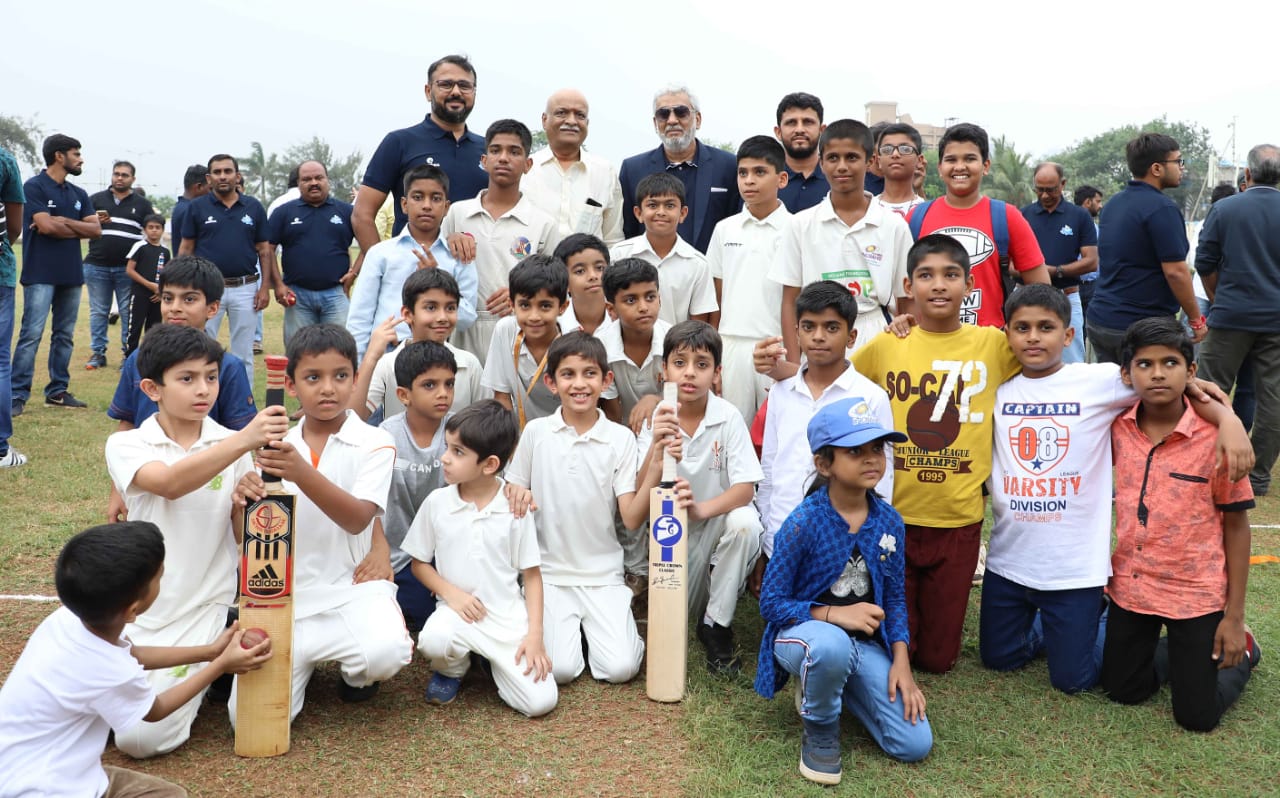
(172, 84)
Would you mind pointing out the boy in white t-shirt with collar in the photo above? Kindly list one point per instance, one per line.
(687, 290)
(340, 469)
(178, 470)
(482, 554)
(586, 258)
(742, 251)
(634, 345)
(720, 465)
(580, 467)
(899, 151)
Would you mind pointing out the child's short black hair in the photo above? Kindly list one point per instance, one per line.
(936, 244)
(1040, 295)
(316, 339)
(424, 280)
(850, 130)
(104, 569)
(153, 218)
(818, 296)
(539, 273)
(764, 148)
(580, 242)
(419, 357)
(486, 428)
(1156, 331)
(628, 272)
(166, 345)
(693, 335)
(802, 100)
(194, 272)
(512, 126)
(659, 184)
(583, 344)
(1147, 150)
(426, 171)
(902, 129)
(966, 131)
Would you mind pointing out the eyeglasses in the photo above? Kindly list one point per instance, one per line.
(464, 86)
(680, 112)
(1046, 189)
(903, 149)
(1178, 161)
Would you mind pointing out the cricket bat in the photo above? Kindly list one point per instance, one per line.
(668, 635)
(264, 696)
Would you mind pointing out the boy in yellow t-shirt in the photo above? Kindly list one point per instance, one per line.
(941, 380)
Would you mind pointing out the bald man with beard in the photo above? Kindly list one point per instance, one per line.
(579, 190)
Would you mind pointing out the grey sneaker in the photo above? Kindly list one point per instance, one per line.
(17, 407)
(820, 752)
(64, 399)
(12, 458)
(97, 361)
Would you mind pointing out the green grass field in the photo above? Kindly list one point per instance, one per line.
(996, 734)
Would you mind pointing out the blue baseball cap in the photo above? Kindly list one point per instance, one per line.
(848, 423)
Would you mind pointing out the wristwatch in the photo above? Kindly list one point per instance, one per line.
(1060, 274)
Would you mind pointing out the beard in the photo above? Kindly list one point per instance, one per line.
(445, 114)
(76, 171)
(684, 142)
(799, 153)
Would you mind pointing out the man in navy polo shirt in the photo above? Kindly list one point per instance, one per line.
(1069, 242)
(799, 126)
(314, 235)
(195, 184)
(1142, 250)
(441, 139)
(230, 229)
(57, 215)
(709, 174)
(120, 212)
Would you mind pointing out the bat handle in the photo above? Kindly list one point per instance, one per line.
(669, 397)
(277, 366)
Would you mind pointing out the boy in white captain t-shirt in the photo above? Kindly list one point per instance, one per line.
(742, 250)
(178, 470)
(340, 469)
(580, 467)
(687, 290)
(846, 238)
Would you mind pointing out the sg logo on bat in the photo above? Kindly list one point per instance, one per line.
(667, 531)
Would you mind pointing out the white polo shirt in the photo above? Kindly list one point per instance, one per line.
(501, 373)
(200, 555)
(684, 281)
(576, 479)
(500, 243)
(785, 456)
(633, 381)
(742, 250)
(466, 384)
(718, 455)
(585, 198)
(358, 459)
(569, 321)
(478, 551)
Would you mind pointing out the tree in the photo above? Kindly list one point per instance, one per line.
(933, 185)
(163, 204)
(264, 177)
(539, 140)
(1010, 178)
(342, 171)
(23, 138)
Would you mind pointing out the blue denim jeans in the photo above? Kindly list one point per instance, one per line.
(1017, 624)
(837, 671)
(38, 301)
(102, 281)
(8, 297)
(315, 307)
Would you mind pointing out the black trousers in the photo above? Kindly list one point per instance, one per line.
(143, 315)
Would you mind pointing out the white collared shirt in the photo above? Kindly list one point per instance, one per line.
(576, 479)
(564, 194)
(502, 375)
(718, 455)
(570, 321)
(633, 381)
(684, 281)
(742, 250)
(466, 385)
(500, 243)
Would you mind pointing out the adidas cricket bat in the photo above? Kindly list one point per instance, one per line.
(264, 696)
(668, 634)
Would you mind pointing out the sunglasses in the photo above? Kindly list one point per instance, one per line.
(679, 111)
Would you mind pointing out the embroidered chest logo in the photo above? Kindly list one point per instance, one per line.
(521, 247)
(211, 220)
(296, 220)
(717, 457)
(1066, 230)
(246, 219)
(335, 219)
(216, 483)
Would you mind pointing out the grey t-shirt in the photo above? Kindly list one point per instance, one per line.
(417, 472)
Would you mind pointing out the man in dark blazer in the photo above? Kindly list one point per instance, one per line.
(709, 174)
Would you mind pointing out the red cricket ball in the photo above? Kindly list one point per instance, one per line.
(252, 637)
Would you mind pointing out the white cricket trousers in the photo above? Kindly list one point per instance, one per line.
(603, 614)
(731, 543)
(740, 385)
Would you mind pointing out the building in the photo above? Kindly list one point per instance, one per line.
(887, 111)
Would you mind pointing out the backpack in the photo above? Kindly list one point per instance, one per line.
(999, 232)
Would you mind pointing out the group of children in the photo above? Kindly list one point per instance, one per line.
(499, 507)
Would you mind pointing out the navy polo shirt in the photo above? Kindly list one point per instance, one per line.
(176, 220)
(315, 241)
(1239, 243)
(225, 235)
(804, 192)
(47, 260)
(1061, 233)
(403, 149)
(1144, 229)
(873, 183)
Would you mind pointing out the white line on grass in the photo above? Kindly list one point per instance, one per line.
(9, 597)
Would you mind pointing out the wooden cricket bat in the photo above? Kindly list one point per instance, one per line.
(668, 635)
(264, 696)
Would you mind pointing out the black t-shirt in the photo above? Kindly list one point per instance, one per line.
(148, 259)
(853, 586)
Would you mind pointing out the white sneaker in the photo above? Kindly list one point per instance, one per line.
(13, 459)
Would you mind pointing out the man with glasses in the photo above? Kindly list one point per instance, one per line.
(799, 126)
(120, 211)
(710, 175)
(1142, 258)
(441, 139)
(900, 155)
(579, 190)
(1069, 242)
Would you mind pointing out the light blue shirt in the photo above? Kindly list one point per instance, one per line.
(377, 293)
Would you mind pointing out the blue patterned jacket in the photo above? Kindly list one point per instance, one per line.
(809, 553)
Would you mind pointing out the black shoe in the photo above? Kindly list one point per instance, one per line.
(721, 655)
(64, 399)
(97, 361)
(354, 695)
(17, 407)
(113, 317)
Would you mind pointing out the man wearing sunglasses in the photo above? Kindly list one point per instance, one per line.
(709, 174)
